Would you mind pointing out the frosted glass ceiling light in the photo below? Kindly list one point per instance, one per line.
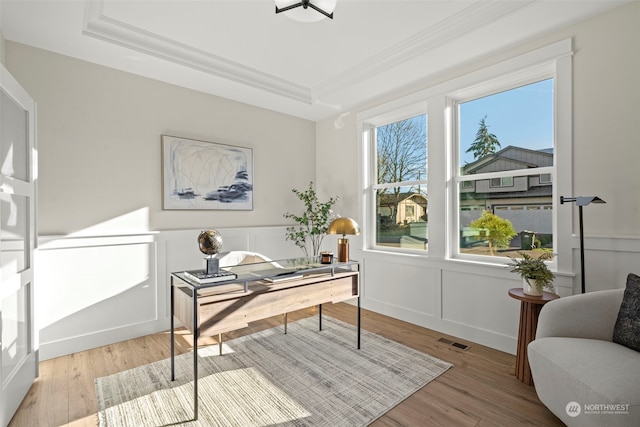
(306, 10)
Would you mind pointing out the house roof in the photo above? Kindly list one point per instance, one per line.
(511, 158)
(390, 199)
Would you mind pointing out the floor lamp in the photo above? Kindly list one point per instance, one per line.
(580, 202)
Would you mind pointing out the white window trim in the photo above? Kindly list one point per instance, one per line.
(554, 60)
(367, 122)
(520, 71)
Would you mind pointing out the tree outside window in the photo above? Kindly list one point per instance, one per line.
(506, 145)
(401, 183)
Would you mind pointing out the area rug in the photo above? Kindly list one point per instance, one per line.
(304, 378)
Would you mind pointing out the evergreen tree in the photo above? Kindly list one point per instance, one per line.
(485, 143)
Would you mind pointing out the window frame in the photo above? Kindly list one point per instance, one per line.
(510, 81)
(370, 184)
(438, 101)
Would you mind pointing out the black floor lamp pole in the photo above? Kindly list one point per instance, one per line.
(581, 248)
(580, 202)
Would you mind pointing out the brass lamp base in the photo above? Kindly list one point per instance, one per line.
(343, 249)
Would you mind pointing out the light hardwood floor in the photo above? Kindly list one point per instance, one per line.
(480, 390)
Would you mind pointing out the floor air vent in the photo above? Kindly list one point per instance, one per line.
(454, 344)
(460, 346)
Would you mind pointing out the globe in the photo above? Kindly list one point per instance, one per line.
(210, 242)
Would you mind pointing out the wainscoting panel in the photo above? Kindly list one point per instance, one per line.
(480, 303)
(95, 290)
(89, 290)
(401, 286)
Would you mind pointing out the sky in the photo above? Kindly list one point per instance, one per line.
(520, 117)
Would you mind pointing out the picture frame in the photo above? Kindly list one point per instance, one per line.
(203, 175)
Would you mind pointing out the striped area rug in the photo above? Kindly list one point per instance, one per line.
(304, 378)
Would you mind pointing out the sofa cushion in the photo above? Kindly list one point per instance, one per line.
(627, 328)
(588, 372)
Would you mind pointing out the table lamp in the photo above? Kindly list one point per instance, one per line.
(343, 226)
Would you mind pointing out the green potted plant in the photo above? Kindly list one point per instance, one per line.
(314, 222)
(535, 273)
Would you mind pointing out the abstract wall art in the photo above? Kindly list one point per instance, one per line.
(206, 175)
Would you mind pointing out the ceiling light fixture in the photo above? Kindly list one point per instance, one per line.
(306, 10)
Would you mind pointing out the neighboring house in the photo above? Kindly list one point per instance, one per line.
(525, 200)
(407, 207)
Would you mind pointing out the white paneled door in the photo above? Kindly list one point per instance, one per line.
(18, 235)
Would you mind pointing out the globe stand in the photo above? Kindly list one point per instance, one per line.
(211, 265)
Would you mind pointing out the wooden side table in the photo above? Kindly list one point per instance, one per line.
(530, 307)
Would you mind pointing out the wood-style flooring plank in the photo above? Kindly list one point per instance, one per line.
(479, 390)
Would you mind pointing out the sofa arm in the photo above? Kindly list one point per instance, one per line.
(592, 315)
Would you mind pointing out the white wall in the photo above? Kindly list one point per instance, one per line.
(107, 246)
(99, 147)
(1, 48)
(470, 300)
(104, 254)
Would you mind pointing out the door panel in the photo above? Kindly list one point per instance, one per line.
(18, 340)
(14, 234)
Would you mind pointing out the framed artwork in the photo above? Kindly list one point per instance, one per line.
(206, 175)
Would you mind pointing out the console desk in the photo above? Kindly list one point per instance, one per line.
(259, 291)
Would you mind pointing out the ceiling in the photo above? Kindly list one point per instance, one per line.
(242, 50)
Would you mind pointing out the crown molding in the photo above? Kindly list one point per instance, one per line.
(472, 17)
(98, 25)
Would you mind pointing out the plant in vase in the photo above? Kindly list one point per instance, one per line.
(314, 222)
(535, 273)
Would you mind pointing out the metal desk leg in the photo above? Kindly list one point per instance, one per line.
(173, 345)
(286, 321)
(196, 334)
(358, 322)
(319, 317)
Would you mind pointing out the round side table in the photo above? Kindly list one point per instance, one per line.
(530, 307)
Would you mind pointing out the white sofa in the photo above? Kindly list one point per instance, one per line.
(583, 377)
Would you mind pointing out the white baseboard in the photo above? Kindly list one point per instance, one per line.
(70, 345)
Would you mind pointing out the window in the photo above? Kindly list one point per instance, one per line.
(505, 181)
(399, 189)
(499, 142)
(508, 133)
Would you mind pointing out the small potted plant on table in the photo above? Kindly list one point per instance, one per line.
(535, 273)
(314, 222)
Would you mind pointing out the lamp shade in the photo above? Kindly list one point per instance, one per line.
(344, 226)
(584, 201)
(581, 200)
(296, 10)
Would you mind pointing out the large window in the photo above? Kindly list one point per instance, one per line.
(399, 190)
(505, 143)
(499, 152)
